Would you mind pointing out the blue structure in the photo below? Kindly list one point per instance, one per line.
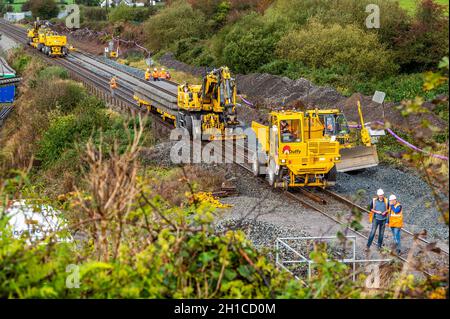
(8, 80)
(7, 92)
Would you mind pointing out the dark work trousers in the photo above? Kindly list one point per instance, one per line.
(381, 224)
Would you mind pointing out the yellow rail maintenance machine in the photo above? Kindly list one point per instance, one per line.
(295, 150)
(208, 111)
(356, 154)
(47, 41)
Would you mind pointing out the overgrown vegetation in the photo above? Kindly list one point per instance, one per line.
(325, 41)
(142, 233)
(57, 117)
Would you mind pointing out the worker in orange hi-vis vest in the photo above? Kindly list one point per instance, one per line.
(155, 74)
(113, 85)
(162, 74)
(147, 75)
(395, 221)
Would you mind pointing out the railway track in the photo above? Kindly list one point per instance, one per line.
(97, 73)
(338, 209)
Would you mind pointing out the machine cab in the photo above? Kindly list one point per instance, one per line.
(286, 134)
(335, 124)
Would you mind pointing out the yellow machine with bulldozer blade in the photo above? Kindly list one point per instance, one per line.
(208, 111)
(356, 154)
(294, 151)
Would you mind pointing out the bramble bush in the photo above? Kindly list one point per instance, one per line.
(175, 22)
(349, 50)
(248, 44)
(125, 13)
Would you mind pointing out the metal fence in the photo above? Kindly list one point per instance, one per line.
(292, 254)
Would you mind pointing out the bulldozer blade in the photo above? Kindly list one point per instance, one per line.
(357, 157)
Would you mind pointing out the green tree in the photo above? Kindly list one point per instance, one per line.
(44, 9)
(426, 41)
(349, 50)
(249, 44)
(175, 22)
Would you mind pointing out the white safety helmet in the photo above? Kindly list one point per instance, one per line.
(162, 69)
(392, 197)
(380, 192)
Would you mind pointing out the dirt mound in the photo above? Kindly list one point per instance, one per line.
(171, 62)
(276, 89)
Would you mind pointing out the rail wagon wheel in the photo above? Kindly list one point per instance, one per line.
(331, 176)
(196, 128)
(40, 47)
(188, 124)
(272, 174)
(256, 164)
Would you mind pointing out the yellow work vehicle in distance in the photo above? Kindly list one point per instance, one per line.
(294, 151)
(47, 41)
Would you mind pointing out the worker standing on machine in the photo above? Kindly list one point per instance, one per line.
(379, 209)
(284, 126)
(113, 85)
(395, 221)
(147, 75)
(155, 74)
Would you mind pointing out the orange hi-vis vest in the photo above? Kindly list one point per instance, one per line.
(155, 74)
(162, 74)
(113, 83)
(147, 75)
(373, 207)
(396, 219)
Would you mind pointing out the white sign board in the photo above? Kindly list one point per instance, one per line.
(378, 97)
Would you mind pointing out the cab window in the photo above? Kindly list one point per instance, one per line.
(342, 125)
(290, 131)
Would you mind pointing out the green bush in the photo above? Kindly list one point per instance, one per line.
(20, 62)
(52, 72)
(349, 50)
(66, 131)
(425, 42)
(399, 87)
(193, 51)
(175, 22)
(62, 95)
(131, 14)
(93, 14)
(44, 9)
(249, 44)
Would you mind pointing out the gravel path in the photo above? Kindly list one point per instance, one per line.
(410, 189)
(7, 43)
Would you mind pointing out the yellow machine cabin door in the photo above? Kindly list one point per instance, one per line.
(273, 151)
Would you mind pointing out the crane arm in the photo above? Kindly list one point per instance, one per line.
(365, 135)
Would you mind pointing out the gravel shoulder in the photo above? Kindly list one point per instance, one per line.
(410, 189)
(7, 43)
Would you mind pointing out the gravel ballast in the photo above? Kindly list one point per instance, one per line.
(414, 194)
